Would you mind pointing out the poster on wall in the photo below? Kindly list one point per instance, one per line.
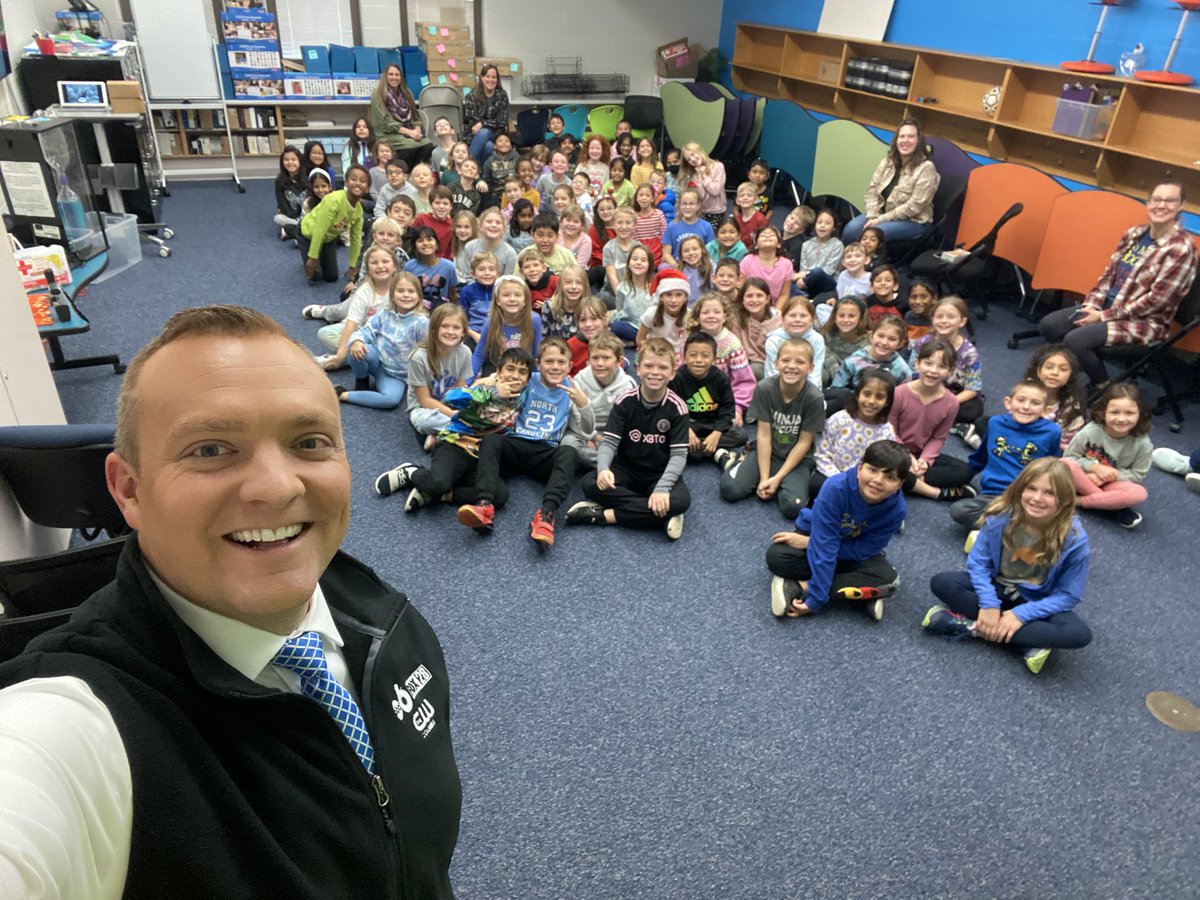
(865, 19)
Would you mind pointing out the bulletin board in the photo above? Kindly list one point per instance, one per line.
(864, 19)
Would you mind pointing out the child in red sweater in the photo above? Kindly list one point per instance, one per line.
(542, 282)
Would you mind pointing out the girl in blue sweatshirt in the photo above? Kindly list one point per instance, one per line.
(380, 349)
(837, 547)
(1025, 573)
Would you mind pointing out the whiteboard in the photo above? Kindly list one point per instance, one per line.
(865, 19)
(176, 49)
(615, 36)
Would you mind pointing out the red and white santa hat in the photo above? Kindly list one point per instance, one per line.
(669, 280)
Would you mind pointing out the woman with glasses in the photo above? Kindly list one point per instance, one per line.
(1135, 299)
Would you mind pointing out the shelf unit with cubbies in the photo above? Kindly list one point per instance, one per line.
(1146, 134)
(250, 120)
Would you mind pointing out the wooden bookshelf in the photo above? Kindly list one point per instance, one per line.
(1152, 136)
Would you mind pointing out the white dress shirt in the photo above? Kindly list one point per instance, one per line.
(66, 795)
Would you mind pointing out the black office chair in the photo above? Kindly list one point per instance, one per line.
(531, 126)
(1137, 358)
(644, 112)
(947, 204)
(978, 267)
(840, 206)
(56, 475)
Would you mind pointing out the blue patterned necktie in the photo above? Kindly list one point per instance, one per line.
(305, 655)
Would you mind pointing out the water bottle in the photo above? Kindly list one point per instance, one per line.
(70, 208)
(1133, 61)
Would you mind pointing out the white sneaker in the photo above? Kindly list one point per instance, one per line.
(675, 527)
(1192, 481)
(875, 609)
(395, 479)
(726, 459)
(313, 311)
(416, 499)
(1170, 461)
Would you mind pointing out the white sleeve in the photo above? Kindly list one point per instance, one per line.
(66, 794)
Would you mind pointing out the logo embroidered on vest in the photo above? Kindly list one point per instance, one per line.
(406, 701)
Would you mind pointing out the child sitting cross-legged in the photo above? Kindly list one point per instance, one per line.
(710, 316)
(1111, 454)
(489, 405)
(709, 397)
(638, 482)
(533, 446)
(440, 364)
(1025, 572)
(591, 319)
(790, 414)
(380, 349)
(837, 549)
(603, 380)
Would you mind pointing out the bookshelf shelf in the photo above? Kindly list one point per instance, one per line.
(1152, 135)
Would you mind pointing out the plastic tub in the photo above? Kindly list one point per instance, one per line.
(124, 245)
(1089, 121)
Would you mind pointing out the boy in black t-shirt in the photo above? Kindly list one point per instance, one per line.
(639, 464)
(709, 397)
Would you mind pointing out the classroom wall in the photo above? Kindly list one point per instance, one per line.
(1034, 31)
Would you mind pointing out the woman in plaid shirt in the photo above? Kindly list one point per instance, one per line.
(1135, 299)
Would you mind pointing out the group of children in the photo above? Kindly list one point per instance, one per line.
(799, 366)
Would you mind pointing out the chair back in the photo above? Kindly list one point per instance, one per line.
(574, 119)
(531, 125)
(56, 473)
(993, 189)
(644, 114)
(433, 112)
(16, 633)
(602, 120)
(57, 581)
(1081, 232)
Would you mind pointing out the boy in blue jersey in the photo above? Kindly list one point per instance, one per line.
(534, 445)
(837, 547)
(490, 405)
(1014, 439)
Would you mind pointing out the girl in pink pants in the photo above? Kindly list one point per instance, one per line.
(1110, 455)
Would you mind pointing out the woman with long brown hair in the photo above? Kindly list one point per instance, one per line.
(394, 118)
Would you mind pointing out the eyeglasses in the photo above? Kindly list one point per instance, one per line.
(1164, 201)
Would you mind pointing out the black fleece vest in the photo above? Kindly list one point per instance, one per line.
(243, 791)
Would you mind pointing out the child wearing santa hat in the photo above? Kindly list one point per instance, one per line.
(670, 289)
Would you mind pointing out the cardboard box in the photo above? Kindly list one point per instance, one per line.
(434, 31)
(463, 65)
(125, 97)
(508, 66)
(249, 25)
(253, 59)
(453, 79)
(308, 87)
(678, 59)
(256, 83)
(448, 50)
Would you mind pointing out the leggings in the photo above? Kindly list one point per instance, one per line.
(970, 411)
(327, 257)
(946, 471)
(1061, 631)
(452, 470)
(1114, 495)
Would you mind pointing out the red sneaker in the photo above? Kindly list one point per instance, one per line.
(541, 529)
(479, 516)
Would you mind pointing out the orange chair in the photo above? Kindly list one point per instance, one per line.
(993, 189)
(1081, 231)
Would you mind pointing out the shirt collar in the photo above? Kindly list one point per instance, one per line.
(248, 649)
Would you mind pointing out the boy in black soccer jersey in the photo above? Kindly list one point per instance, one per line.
(637, 482)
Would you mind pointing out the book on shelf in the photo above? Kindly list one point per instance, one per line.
(166, 143)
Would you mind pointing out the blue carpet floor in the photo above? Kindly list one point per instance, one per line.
(631, 721)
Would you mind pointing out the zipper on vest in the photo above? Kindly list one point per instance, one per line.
(384, 801)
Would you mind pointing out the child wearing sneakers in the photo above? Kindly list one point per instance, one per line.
(602, 380)
(1014, 439)
(488, 406)
(638, 482)
(1176, 463)
(790, 413)
(533, 446)
(1111, 455)
(709, 397)
(1025, 573)
(837, 549)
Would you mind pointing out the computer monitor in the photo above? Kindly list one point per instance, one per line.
(83, 94)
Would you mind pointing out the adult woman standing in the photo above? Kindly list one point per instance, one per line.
(485, 113)
(1136, 298)
(697, 169)
(899, 199)
(393, 117)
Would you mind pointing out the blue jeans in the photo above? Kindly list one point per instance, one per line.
(623, 330)
(388, 391)
(482, 144)
(902, 230)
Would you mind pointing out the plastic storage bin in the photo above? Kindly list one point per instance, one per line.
(1076, 119)
(124, 244)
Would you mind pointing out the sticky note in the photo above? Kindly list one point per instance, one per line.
(441, 79)
(514, 67)
(445, 32)
(433, 30)
(454, 77)
(452, 63)
(440, 48)
(424, 81)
